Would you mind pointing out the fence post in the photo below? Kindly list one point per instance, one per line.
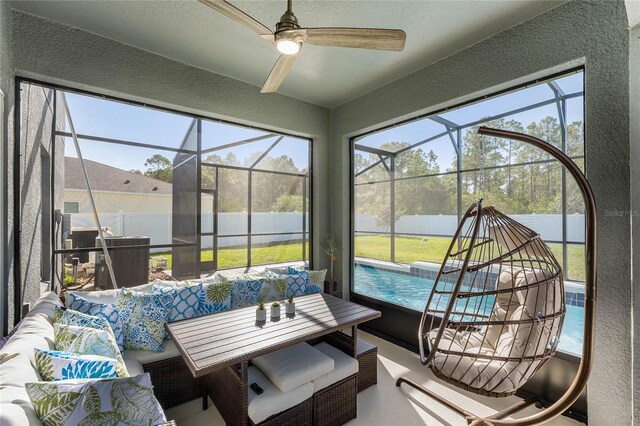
(121, 222)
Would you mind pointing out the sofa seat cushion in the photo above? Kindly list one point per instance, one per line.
(294, 366)
(107, 297)
(147, 357)
(35, 331)
(47, 304)
(19, 412)
(16, 369)
(134, 368)
(344, 366)
(272, 401)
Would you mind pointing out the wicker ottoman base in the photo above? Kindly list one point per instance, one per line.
(172, 381)
(337, 404)
(368, 362)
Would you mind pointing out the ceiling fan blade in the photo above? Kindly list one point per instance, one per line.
(363, 38)
(278, 73)
(232, 12)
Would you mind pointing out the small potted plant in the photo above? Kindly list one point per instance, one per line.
(261, 312)
(275, 310)
(290, 306)
(331, 247)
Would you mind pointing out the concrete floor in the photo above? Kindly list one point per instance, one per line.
(384, 403)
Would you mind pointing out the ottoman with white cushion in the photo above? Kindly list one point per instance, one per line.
(294, 366)
(272, 404)
(335, 393)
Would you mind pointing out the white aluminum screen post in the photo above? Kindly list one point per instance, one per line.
(96, 219)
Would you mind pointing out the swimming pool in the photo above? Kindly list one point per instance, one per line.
(413, 292)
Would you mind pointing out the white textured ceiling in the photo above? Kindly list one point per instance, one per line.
(189, 32)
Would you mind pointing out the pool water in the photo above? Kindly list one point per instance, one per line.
(413, 292)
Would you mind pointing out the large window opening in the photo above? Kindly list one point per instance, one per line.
(178, 196)
(413, 181)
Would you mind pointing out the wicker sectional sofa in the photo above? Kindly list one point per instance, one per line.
(173, 382)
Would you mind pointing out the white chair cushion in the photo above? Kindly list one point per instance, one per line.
(35, 331)
(147, 357)
(134, 368)
(294, 366)
(19, 412)
(16, 369)
(344, 366)
(46, 304)
(107, 297)
(272, 401)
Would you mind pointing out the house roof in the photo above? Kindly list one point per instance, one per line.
(107, 178)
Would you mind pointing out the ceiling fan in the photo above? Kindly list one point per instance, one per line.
(289, 37)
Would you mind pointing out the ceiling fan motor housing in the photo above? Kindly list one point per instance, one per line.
(288, 21)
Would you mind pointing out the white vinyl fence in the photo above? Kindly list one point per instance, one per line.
(548, 225)
(157, 226)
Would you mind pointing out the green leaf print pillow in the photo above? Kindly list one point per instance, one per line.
(88, 341)
(216, 296)
(122, 401)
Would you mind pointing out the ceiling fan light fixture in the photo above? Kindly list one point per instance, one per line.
(288, 47)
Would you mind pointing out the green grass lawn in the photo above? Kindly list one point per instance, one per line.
(233, 257)
(408, 249)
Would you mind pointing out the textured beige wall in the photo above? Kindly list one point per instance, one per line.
(634, 120)
(6, 85)
(593, 33)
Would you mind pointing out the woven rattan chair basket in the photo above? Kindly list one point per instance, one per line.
(496, 309)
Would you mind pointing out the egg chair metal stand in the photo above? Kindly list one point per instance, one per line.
(496, 310)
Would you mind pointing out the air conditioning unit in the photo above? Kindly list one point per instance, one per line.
(130, 265)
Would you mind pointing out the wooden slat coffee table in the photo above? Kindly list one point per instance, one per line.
(217, 347)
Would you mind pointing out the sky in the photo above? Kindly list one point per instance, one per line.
(111, 119)
(105, 118)
(422, 129)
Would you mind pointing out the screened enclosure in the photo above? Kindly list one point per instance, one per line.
(412, 182)
(177, 195)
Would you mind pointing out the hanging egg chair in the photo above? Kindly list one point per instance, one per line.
(496, 309)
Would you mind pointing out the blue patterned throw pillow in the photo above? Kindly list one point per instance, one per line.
(186, 298)
(316, 279)
(107, 311)
(216, 296)
(143, 318)
(59, 365)
(245, 293)
(296, 283)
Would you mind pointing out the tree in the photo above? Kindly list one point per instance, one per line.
(159, 167)
(288, 203)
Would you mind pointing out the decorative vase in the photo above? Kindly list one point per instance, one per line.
(261, 315)
(275, 312)
(290, 308)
